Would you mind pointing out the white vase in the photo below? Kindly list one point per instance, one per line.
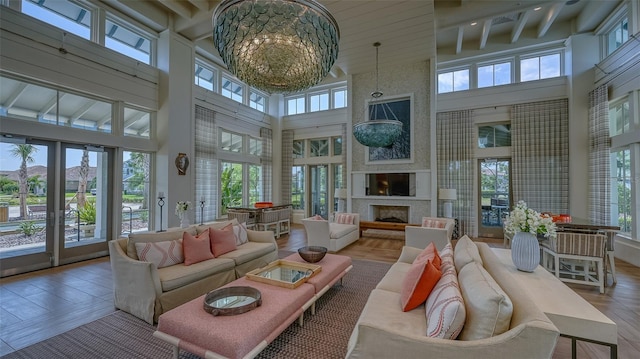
(525, 251)
(184, 221)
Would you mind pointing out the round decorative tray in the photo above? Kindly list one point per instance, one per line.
(232, 300)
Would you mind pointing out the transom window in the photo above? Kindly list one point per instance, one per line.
(494, 136)
(231, 89)
(205, 76)
(255, 146)
(319, 101)
(494, 74)
(453, 81)
(339, 98)
(540, 67)
(123, 39)
(618, 35)
(230, 141)
(67, 15)
(295, 105)
(619, 117)
(257, 101)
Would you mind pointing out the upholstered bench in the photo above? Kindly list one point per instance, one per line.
(245, 335)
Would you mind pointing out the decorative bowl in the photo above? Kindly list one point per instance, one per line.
(312, 254)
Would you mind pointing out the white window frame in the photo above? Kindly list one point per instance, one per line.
(493, 63)
(452, 71)
(236, 82)
(539, 55)
(296, 97)
(136, 29)
(332, 98)
(265, 107)
(318, 94)
(214, 78)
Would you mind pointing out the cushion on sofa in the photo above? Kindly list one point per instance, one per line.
(249, 251)
(196, 248)
(445, 309)
(466, 252)
(216, 225)
(222, 240)
(148, 237)
(418, 283)
(338, 230)
(433, 223)
(179, 275)
(446, 256)
(392, 281)
(488, 307)
(162, 254)
(240, 232)
(344, 218)
(430, 252)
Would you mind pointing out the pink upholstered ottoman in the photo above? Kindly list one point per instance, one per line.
(334, 267)
(245, 335)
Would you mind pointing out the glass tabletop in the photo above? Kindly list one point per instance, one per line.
(284, 273)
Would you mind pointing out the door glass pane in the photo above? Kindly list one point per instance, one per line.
(230, 186)
(297, 187)
(494, 189)
(85, 196)
(23, 199)
(319, 184)
(135, 192)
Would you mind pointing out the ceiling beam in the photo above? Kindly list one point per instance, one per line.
(53, 101)
(517, 30)
(177, 7)
(549, 18)
(201, 4)
(81, 111)
(134, 119)
(486, 28)
(459, 40)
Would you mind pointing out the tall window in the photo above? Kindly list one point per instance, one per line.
(295, 105)
(494, 74)
(205, 76)
(230, 185)
(297, 187)
(135, 192)
(618, 35)
(619, 117)
(453, 81)
(540, 67)
(621, 181)
(67, 15)
(231, 89)
(127, 40)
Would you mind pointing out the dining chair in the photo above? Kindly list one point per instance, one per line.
(577, 255)
(610, 264)
(284, 220)
(242, 217)
(269, 219)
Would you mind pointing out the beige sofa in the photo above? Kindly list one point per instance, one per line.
(146, 291)
(330, 234)
(420, 237)
(385, 331)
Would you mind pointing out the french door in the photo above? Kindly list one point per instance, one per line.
(54, 204)
(494, 196)
(318, 190)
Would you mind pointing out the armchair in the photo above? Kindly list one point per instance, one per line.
(433, 229)
(342, 230)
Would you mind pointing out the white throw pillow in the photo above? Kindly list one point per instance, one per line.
(445, 309)
(240, 232)
(162, 254)
(488, 307)
(466, 252)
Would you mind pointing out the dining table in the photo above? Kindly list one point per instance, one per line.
(582, 224)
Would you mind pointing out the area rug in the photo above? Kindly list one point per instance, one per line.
(324, 335)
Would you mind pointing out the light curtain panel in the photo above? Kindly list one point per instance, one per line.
(287, 164)
(267, 162)
(540, 155)
(457, 165)
(599, 157)
(206, 163)
(344, 154)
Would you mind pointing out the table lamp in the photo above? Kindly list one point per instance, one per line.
(447, 195)
(341, 195)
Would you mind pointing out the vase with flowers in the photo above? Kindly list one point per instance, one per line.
(181, 211)
(526, 225)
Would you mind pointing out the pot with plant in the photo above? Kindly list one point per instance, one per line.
(87, 217)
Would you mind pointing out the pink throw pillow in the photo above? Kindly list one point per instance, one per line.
(418, 284)
(430, 253)
(344, 218)
(222, 240)
(196, 248)
(317, 217)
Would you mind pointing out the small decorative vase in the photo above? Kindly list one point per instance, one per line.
(184, 221)
(525, 251)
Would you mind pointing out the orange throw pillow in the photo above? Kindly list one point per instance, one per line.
(431, 253)
(418, 283)
(222, 240)
(196, 248)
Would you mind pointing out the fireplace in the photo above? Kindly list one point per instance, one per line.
(386, 213)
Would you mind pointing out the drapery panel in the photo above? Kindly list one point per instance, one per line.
(267, 162)
(457, 165)
(206, 163)
(540, 155)
(599, 157)
(287, 163)
(344, 155)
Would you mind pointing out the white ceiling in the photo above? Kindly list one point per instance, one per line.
(409, 31)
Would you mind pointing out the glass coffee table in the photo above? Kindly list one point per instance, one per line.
(285, 274)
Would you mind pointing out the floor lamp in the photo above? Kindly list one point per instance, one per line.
(447, 195)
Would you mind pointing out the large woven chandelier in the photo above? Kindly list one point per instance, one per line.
(278, 46)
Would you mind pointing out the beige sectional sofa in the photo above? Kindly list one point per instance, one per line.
(140, 288)
(385, 331)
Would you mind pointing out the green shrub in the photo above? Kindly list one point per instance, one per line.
(87, 213)
(29, 228)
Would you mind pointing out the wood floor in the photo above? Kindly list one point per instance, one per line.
(38, 305)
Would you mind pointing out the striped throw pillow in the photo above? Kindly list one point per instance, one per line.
(240, 232)
(344, 218)
(445, 309)
(162, 254)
